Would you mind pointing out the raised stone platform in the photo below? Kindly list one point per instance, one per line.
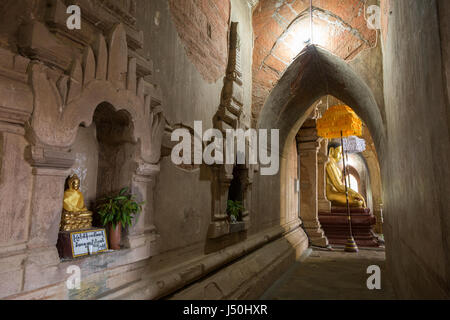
(336, 226)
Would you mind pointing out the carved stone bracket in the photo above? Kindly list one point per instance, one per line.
(49, 158)
(147, 170)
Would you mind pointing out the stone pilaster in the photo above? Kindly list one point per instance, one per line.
(143, 232)
(50, 168)
(378, 213)
(375, 183)
(308, 145)
(222, 176)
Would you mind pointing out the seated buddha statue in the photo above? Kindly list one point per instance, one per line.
(336, 186)
(75, 214)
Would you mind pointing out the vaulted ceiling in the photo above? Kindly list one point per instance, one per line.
(282, 30)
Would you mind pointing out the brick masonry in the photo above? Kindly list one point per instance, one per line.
(203, 26)
(280, 28)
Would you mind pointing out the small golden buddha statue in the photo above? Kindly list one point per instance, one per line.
(75, 215)
(336, 186)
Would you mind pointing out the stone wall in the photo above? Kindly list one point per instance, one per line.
(415, 167)
(86, 150)
(203, 29)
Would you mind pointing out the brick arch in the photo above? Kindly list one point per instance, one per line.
(281, 26)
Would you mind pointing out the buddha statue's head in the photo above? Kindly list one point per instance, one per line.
(336, 153)
(74, 182)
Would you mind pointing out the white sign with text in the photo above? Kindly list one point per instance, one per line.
(88, 242)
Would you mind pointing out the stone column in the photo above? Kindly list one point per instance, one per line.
(143, 232)
(246, 177)
(50, 168)
(308, 145)
(222, 176)
(15, 186)
(323, 204)
(16, 178)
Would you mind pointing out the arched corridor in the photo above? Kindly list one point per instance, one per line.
(224, 149)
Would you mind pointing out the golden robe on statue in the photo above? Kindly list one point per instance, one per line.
(75, 214)
(74, 201)
(336, 186)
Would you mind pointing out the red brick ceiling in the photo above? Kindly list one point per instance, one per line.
(281, 26)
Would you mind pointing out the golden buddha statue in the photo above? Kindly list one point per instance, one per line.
(336, 186)
(75, 215)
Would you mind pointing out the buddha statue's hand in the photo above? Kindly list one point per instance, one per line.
(356, 198)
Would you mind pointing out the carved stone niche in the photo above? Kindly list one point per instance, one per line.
(101, 86)
(230, 183)
(230, 115)
(122, 166)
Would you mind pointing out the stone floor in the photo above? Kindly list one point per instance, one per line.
(336, 275)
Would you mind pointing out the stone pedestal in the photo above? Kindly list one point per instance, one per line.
(78, 243)
(336, 226)
(307, 145)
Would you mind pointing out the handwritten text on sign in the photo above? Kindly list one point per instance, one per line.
(86, 242)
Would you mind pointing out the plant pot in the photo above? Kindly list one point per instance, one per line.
(114, 236)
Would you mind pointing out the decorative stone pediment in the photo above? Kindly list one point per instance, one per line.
(232, 100)
(105, 73)
(230, 115)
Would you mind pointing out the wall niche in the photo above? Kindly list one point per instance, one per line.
(105, 156)
(116, 149)
(236, 189)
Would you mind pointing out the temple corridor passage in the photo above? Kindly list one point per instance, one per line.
(219, 134)
(335, 275)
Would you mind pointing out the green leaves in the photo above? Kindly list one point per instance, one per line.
(121, 208)
(235, 208)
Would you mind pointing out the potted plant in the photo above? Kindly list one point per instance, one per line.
(235, 209)
(118, 210)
